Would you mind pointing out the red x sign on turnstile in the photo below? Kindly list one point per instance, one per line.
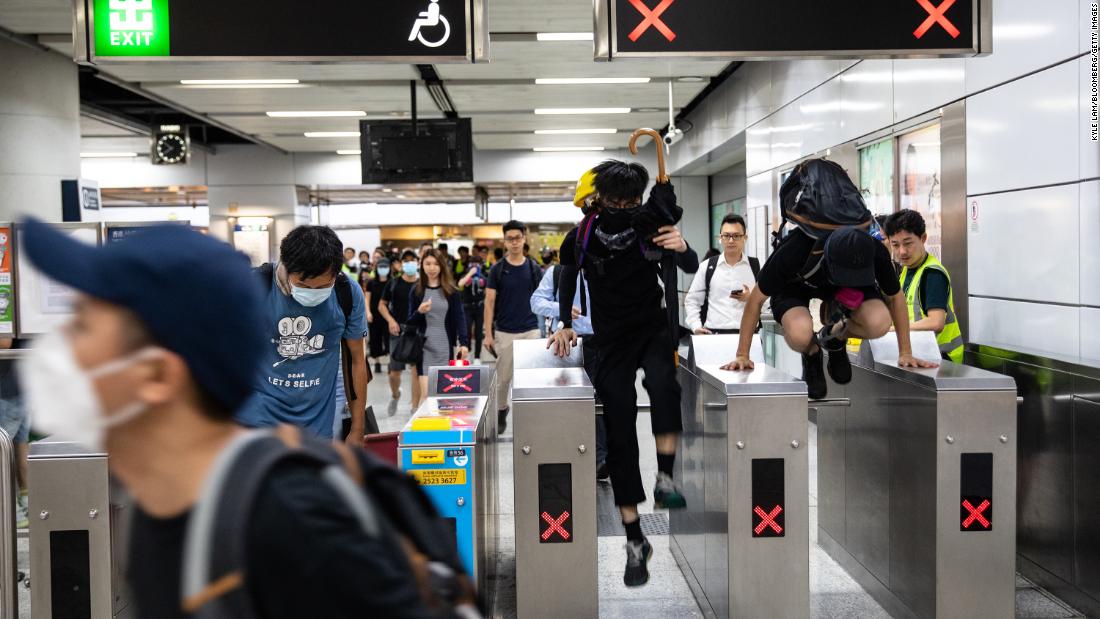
(767, 519)
(975, 514)
(458, 382)
(652, 18)
(555, 525)
(936, 15)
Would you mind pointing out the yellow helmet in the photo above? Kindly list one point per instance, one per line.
(585, 188)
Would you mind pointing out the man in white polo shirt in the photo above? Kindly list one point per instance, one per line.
(716, 299)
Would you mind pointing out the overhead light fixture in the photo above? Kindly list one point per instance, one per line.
(568, 149)
(318, 114)
(648, 110)
(558, 81)
(401, 197)
(262, 83)
(107, 155)
(582, 110)
(387, 190)
(349, 151)
(564, 36)
(691, 79)
(575, 131)
(331, 134)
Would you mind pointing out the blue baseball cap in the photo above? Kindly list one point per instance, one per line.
(196, 295)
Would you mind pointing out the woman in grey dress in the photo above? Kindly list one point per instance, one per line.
(439, 314)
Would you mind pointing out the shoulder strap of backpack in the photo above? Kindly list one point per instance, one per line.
(265, 272)
(344, 298)
(215, 548)
(815, 261)
(754, 264)
(556, 276)
(536, 274)
(712, 264)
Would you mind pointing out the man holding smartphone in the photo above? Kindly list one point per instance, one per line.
(716, 299)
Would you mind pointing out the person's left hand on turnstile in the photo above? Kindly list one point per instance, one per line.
(909, 361)
(562, 341)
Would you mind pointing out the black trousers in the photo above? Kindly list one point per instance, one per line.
(591, 356)
(475, 321)
(619, 362)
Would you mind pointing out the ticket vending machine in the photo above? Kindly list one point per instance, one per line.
(449, 446)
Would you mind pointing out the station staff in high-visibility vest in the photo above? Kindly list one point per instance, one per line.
(926, 283)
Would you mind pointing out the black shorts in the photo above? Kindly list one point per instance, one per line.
(800, 297)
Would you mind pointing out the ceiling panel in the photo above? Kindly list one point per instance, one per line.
(261, 124)
(556, 16)
(175, 71)
(37, 16)
(91, 127)
(372, 98)
(138, 145)
(530, 122)
(491, 141)
(482, 98)
(315, 145)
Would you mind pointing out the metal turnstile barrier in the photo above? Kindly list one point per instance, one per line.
(78, 520)
(449, 446)
(742, 543)
(917, 484)
(9, 597)
(553, 423)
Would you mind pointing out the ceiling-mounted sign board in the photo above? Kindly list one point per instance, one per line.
(409, 31)
(751, 29)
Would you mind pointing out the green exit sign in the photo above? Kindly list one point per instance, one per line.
(131, 27)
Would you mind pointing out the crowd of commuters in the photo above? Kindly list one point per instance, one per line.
(176, 367)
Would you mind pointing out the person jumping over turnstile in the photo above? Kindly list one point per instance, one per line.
(618, 246)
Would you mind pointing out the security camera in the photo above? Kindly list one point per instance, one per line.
(673, 136)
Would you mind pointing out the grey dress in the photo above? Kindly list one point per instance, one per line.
(437, 347)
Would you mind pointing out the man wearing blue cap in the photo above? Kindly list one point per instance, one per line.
(315, 320)
(162, 349)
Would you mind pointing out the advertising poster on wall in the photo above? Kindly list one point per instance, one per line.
(7, 293)
(44, 305)
(919, 159)
(876, 176)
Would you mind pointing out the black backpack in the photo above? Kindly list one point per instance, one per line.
(344, 298)
(820, 198)
(712, 264)
(390, 506)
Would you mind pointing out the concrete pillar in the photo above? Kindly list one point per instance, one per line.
(39, 130)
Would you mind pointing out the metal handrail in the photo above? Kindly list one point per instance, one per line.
(9, 597)
(14, 354)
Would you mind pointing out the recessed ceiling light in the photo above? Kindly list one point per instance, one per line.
(106, 155)
(575, 131)
(567, 149)
(582, 110)
(558, 81)
(267, 83)
(332, 134)
(400, 196)
(648, 110)
(564, 36)
(387, 190)
(318, 114)
(689, 79)
(349, 151)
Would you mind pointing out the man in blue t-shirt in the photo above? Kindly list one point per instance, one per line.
(508, 315)
(306, 324)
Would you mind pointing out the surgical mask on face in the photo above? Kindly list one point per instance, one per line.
(310, 297)
(383, 271)
(73, 413)
(410, 268)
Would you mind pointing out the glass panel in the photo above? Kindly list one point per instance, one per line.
(919, 155)
(876, 176)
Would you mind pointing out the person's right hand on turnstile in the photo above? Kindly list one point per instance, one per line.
(562, 341)
(741, 363)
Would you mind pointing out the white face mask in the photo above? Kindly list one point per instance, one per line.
(310, 297)
(61, 395)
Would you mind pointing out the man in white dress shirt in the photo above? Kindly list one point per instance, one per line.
(716, 299)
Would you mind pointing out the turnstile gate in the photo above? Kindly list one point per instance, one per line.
(743, 541)
(553, 423)
(917, 485)
(449, 446)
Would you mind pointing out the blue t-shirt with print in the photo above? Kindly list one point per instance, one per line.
(298, 376)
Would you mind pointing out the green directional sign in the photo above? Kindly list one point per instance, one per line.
(131, 27)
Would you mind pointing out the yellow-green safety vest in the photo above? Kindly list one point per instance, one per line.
(950, 339)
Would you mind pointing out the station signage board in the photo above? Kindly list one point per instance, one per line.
(752, 29)
(412, 31)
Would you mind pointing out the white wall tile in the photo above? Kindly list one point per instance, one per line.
(1090, 335)
(1024, 134)
(758, 155)
(1090, 246)
(1090, 150)
(1027, 245)
(794, 78)
(1034, 327)
(866, 98)
(924, 85)
(788, 135)
(1026, 36)
(820, 111)
(758, 93)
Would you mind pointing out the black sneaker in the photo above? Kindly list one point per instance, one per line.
(602, 474)
(502, 421)
(840, 367)
(813, 372)
(666, 495)
(637, 555)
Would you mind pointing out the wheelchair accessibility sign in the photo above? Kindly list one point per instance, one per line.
(439, 29)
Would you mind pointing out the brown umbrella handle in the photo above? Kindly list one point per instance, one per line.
(662, 177)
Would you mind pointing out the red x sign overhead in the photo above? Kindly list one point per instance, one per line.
(767, 519)
(458, 382)
(937, 15)
(652, 18)
(975, 514)
(555, 525)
